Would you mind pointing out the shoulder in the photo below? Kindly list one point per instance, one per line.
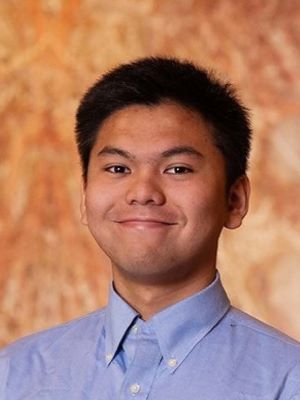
(252, 327)
(263, 354)
(51, 357)
(257, 340)
(83, 327)
(54, 348)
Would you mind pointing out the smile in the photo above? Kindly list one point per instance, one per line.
(144, 223)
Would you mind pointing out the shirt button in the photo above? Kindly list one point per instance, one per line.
(108, 357)
(172, 362)
(134, 329)
(135, 388)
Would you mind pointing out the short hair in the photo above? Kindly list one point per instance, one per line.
(154, 80)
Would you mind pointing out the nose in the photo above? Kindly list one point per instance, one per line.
(145, 190)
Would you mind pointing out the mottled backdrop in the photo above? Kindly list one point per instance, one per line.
(50, 52)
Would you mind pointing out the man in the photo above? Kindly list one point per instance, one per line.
(164, 149)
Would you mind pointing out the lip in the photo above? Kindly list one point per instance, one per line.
(144, 223)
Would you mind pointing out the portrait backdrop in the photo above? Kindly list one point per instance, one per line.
(51, 51)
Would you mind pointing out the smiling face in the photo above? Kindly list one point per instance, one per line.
(155, 198)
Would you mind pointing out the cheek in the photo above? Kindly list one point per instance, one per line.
(98, 200)
(204, 209)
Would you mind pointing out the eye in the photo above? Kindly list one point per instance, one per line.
(118, 169)
(178, 170)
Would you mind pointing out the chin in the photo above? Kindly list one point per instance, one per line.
(143, 265)
(146, 269)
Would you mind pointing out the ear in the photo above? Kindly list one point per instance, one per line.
(238, 202)
(83, 217)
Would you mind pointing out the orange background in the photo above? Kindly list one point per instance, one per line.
(50, 52)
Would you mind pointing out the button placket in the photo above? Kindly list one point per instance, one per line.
(143, 368)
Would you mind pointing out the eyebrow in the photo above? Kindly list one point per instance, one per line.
(177, 150)
(108, 150)
(173, 151)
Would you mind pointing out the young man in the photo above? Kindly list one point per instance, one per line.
(164, 149)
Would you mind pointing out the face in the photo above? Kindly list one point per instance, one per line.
(155, 198)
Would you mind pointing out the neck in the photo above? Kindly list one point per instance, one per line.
(149, 299)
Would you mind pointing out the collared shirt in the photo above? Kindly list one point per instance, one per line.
(199, 348)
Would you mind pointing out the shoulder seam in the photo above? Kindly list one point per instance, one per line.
(277, 335)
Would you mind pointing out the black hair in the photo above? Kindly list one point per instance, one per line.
(151, 81)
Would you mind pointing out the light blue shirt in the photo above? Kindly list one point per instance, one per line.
(198, 349)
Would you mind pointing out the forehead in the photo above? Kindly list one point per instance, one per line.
(145, 128)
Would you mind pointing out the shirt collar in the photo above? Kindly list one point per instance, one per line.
(119, 316)
(178, 328)
(181, 326)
